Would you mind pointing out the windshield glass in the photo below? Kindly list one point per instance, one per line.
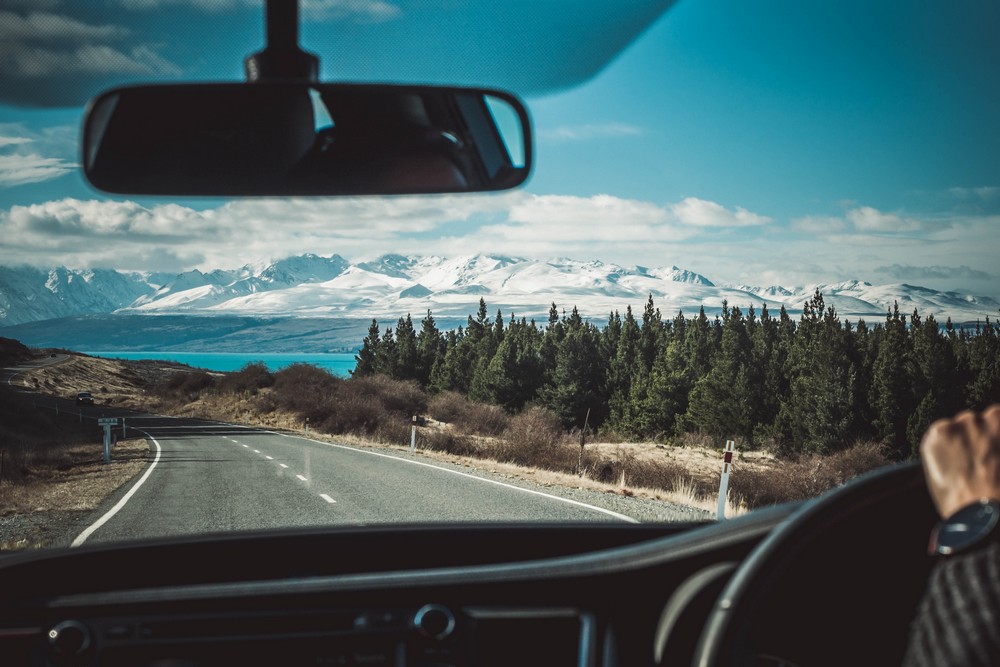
(772, 232)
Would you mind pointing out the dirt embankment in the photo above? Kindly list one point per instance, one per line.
(52, 473)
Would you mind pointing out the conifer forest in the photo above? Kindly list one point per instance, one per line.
(812, 384)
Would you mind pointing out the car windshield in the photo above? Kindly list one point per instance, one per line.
(756, 257)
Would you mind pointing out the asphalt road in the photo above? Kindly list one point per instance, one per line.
(8, 376)
(208, 477)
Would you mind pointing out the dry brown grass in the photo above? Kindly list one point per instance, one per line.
(73, 478)
(377, 411)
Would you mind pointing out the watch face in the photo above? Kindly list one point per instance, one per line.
(967, 527)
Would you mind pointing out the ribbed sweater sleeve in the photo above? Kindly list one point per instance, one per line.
(958, 620)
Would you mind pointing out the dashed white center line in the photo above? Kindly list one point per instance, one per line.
(231, 440)
(327, 498)
(247, 446)
(282, 465)
(302, 478)
(256, 451)
(269, 458)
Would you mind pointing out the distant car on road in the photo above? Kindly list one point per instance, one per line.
(84, 398)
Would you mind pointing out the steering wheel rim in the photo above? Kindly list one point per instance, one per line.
(724, 639)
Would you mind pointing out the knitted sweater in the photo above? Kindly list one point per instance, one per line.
(958, 620)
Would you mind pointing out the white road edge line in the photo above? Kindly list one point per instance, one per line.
(302, 478)
(82, 537)
(595, 508)
(327, 498)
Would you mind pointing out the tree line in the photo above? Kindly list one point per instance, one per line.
(818, 384)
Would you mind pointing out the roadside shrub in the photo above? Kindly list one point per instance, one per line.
(393, 431)
(352, 412)
(806, 477)
(187, 385)
(483, 419)
(250, 379)
(626, 467)
(375, 406)
(400, 396)
(534, 437)
(306, 390)
(447, 441)
(468, 416)
(448, 406)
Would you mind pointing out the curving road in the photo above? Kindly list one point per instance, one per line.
(216, 477)
(207, 476)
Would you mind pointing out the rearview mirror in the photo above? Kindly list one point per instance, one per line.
(286, 139)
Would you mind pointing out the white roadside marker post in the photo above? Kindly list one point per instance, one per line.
(307, 425)
(107, 423)
(413, 435)
(727, 462)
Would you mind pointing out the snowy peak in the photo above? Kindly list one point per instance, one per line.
(391, 285)
(303, 269)
(28, 294)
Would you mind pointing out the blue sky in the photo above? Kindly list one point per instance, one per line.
(783, 142)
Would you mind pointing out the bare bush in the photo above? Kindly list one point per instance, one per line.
(184, 385)
(306, 390)
(806, 477)
(400, 396)
(448, 406)
(468, 416)
(534, 437)
(448, 441)
(250, 379)
(352, 412)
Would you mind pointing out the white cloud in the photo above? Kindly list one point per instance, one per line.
(597, 210)
(129, 235)
(868, 219)
(588, 131)
(818, 224)
(31, 168)
(28, 156)
(13, 141)
(39, 62)
(42, 44)
(985, 193)
(48, 27)
(251, 229)
(702, 213)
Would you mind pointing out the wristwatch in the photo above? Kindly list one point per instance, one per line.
(969, 527)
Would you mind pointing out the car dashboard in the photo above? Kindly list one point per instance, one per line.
(580, 595)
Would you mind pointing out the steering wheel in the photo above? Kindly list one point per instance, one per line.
(834, 529)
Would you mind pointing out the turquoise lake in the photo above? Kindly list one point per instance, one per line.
(339, 364)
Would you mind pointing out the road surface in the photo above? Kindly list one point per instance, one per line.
(214, 477)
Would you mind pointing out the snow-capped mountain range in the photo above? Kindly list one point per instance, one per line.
(393, 285)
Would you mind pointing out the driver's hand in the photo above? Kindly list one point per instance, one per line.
(962, 459)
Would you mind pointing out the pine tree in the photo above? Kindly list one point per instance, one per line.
(367, 358)
(578, 376)
(407, 366)
(430, 345)
(388, 354)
